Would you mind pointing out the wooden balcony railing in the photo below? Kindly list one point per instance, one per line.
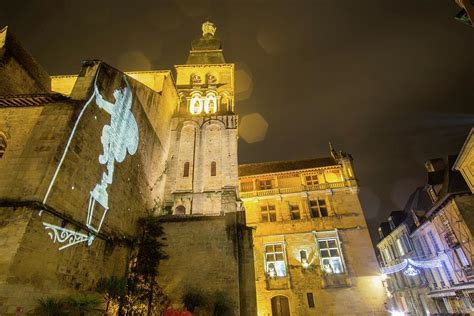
(301, 188)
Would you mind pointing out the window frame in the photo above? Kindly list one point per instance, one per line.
(339, 256)
(275, 252)
(266, 184)
(317, 207)
(270, 209)
(213, 169)
(313, 179)
(294, 209)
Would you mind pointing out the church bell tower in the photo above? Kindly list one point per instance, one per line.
(202, 175)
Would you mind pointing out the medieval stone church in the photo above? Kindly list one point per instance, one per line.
(83, 157)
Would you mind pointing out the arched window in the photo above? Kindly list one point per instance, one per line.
(3, 144)
(213, 169)
(186, 169)
(180, 210)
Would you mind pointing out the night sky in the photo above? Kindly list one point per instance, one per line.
(391, 82)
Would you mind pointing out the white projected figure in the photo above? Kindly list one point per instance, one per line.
(118, 138)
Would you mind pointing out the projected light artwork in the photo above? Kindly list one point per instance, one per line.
(119, 137)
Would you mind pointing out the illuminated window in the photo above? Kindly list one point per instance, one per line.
(318, 208)
(196, 104)
(295, 211)
(210, 103)
(265, 184)
(330, 256)
(461, 256)
(213, 169)
(400, 248)
(275, 260)
(186, 170)
(310, 298)
(268, 213)
(3, 145)
(311, 180)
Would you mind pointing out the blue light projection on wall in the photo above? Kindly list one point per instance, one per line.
(118, 138)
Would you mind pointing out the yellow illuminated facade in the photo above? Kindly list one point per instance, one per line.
(465, 161)
(312, 250)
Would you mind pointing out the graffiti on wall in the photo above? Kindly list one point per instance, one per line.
(118, 138)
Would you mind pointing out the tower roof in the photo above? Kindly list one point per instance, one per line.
(207, 49)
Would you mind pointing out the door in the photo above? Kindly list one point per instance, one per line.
(280, 306)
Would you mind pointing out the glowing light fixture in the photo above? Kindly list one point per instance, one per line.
(196, 104)
(210, 103)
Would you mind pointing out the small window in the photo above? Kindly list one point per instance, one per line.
(268, 213)
(265, 184)
(310, 300)
(318, 208)
(3, 145)
(303, 255)
(186, 170)
(180, 210)
(295, 212)
(311, 180)
(213, 169)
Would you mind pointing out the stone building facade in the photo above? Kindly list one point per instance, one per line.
(313, 254)
(84, 156)
(427, 258)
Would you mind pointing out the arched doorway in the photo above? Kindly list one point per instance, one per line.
(280, 306)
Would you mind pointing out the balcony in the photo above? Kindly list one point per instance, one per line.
(301, 188)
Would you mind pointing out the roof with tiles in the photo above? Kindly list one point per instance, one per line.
(30, 99)
(281, 166)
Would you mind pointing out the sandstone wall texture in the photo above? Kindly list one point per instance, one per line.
(210, 255)
(34, 191)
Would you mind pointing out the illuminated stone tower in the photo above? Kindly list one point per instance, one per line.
(202, 175)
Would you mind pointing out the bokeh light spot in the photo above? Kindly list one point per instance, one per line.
(253, 128)
(243, 82)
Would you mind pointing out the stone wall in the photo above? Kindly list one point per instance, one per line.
(209, 255)
(19, 72)
(70, 134)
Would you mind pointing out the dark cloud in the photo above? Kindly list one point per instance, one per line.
(389, 81)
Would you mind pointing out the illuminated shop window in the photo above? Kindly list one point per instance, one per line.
(268, 213)
(295, 211)
(3, 145)
(186, 169)
(213, 169)
(265, 184)
(331, 261)
(311, 180)
(275, 260)
(318, 208)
